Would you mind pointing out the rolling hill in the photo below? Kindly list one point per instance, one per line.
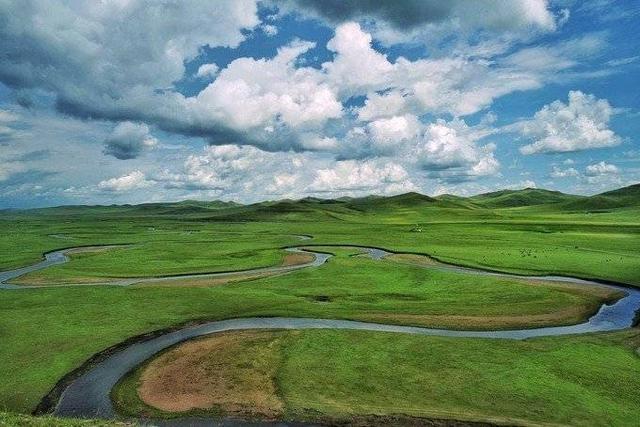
(621, 198)
(518, 198)
(409, 207)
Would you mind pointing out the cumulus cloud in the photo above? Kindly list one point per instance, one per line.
(403, 14)
(356, 67)
(527, 183)
(131, 181)
(378, 105)
(114, 59)
(207, 71)
(450, 150)
(459, 85)
(272, 103)
(291, 123)
(601, 168)
(128, 140)
(349, 176)
(234, 169)
(581, 124)
(251, 93)
(269, 30)
(557, 172)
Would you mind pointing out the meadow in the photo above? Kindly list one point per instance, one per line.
(48, 332)
(377, 378)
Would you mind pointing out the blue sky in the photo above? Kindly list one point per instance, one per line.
(130, 101)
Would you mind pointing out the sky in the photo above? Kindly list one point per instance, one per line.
(131, 101)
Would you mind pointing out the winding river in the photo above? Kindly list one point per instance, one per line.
(88, 394)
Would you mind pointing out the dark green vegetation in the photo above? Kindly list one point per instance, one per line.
(342, 375)
(46, 333)
(22, 420)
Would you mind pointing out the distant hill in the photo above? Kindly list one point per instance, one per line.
(409, 207)
(406, 200)
(185, 207)
(518, 198)
(620, 198)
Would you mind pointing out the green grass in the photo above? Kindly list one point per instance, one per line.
(45, 333)
(347, 375)
(162, 258)
(577, 381)
(48, 332)
(12, 420)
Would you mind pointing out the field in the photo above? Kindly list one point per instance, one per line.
(48, 332)
(570, 381)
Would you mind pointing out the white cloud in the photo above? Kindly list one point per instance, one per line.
(131, 181)
(580, 124)
(357, 67)
(527, 183)
(272, 103)
(247, 172)
(459, 84)
(601, 168)
(269, 30)
(557, 172)
(449, 149)
(207, 71)
(385, 105)
(233, 169)
(265, 95)
(124, 62)
(100, 58)
(349, 176)
(128, 140)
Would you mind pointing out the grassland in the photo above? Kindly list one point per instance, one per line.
(22, 420)
(49, 332)
(349, 375)
(528, 239)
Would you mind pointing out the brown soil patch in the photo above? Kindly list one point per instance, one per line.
(297, 258)
(233, 372)
(412, 259)
(570, 315)
(608, 295)
(204, 281)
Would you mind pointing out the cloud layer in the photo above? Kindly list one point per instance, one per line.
(261, 99)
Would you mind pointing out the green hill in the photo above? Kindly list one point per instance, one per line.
(519, 198)
(407, 207)
(406, 200)
(621, 198)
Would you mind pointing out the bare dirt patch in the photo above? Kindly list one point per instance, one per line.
(412, 259)
(204, 281)
(297, 258)
(570, 315)
(231, 372)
